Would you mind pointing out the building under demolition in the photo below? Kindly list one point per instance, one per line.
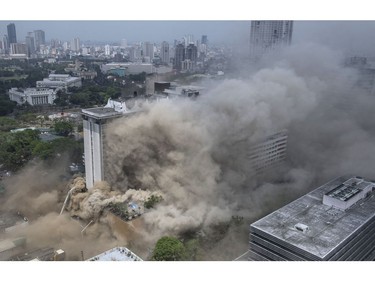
(333, 222)
(94, 120)
(268, 153)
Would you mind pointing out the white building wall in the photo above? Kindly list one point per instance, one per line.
(88, 154)
(97, 152)
(93, 152)
(33, 96)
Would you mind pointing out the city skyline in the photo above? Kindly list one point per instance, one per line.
(346, 36)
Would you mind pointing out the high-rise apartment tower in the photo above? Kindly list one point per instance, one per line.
(267, 36)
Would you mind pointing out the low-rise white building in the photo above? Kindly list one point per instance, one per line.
(55, 81)
(116, 254)
(34, 96)
(129, 68)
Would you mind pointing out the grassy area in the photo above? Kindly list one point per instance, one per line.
(13, 78)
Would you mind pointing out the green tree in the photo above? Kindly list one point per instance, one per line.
(70, 147)
(62, 98)
(152, 200)
(16, 148)
(63, 128)
(7, 124)
(43, 150)
(6, 105)
(169, 249)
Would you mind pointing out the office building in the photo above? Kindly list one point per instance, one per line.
(107, 50)
(18, 48)
(268, 36)
(75, 45)
(30, 43)
(164, 52)
(204, 40)
(191, 53)
(6, 42)
(39, 39)
(334, 222)
(148, 50)
(179, 56)
(12, 37)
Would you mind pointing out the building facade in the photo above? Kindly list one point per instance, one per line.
(75, 45)
(94, 121)
(179, 56)
(12, 37)
(5, 42)
(148, 50)
(34, 96)
(128, 68)
(39, 39)
(164, 52)
(268, 36)
(268, 153)
(18, 48)
(30, 43)
(55, 81)
(334, 222)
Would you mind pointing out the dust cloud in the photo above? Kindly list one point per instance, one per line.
(193, 154)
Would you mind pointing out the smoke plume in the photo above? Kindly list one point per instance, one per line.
(193, 153)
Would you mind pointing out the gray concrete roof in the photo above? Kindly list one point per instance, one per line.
(328, 227)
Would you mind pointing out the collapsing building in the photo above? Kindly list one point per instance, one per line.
(333, 222)
(268, 153)
(94, 120)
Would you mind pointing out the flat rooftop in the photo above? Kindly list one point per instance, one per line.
(318, 229)
(101, 112)
(116, 254)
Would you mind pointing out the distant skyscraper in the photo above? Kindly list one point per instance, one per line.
(124, 43)
(107, 50)
(66, 46)
(189, 39)
(75, 45)
(6, 42)
(204, 39)
(164, 52)
(266, 36)
(191, 52)
(39, 39)
(30, 45)
(148, 50)
(12, 33)
(179, 56)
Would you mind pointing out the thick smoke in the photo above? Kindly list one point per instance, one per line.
(193, 153)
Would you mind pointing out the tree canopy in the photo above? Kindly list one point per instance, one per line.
(63, 128)
(169, 249)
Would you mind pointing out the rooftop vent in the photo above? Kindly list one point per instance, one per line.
(301, 227)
